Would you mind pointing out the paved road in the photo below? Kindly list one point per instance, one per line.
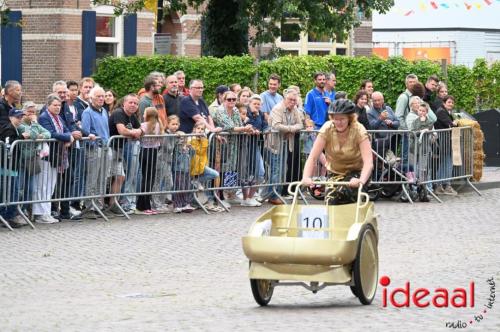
(188, 272)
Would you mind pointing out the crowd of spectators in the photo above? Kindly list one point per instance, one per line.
(83, 117)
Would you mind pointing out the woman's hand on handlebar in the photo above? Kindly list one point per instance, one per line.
(355, 183)
(307, 181)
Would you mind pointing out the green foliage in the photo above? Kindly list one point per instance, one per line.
(317, 16)
(225, 31)
(126, 74)
(473, 88)
(486, 84)
(461, 86)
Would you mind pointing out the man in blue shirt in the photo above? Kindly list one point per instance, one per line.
(95, 122)
(271, 97)
(315, 105)
(193, 109)
(95, 117)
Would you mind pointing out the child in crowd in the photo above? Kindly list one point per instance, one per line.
(173, 126)
(243, 112)
(148, 158)
(254, 172)
(163, 181)
(423, 120)
(420, 118)
(414, 104)
(183, 153)
(199, 165)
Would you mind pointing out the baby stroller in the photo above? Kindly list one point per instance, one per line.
(388, 180)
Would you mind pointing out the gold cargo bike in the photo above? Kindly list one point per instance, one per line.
(314, 246)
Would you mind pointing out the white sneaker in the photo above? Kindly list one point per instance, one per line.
(74, 212)
(246, 202)
(188, 208)
(20, 220)
(46, 219)
(439, 190)
(164, 208)
(250, 202)
(177, 210)
(448, 190)
(390, 157)
(239, 194)
(197, 185)
(234, 200)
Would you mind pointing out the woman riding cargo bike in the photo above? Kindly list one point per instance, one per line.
(324, 245)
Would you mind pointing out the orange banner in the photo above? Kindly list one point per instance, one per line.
(382, 52)
(427, 53)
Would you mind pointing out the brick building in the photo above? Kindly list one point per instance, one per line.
(61, 39)
(184, 34)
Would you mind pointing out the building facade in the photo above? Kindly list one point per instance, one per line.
(184, 35)
(458, 33)
(62, 39)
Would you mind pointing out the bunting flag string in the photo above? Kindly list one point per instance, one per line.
(444, 5)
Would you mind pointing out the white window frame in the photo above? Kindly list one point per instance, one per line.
(303, 45)
(118, 26)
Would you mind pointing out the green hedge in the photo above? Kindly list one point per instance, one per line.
(473, 87)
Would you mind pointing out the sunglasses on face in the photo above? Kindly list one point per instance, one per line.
(230, 99)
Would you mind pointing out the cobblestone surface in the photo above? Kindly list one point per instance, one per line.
(188, 272)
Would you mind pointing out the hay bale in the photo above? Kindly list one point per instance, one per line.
(478, 153)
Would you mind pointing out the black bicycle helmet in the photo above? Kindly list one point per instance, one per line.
(342, 106)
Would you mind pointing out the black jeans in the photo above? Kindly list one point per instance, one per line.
(148, 158)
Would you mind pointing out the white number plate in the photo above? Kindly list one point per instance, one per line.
(313, 217)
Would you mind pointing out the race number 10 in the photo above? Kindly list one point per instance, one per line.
(313, 217)
(314, 223)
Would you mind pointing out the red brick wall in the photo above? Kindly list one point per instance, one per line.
(363, 37)
(78, 4)
(47, 60)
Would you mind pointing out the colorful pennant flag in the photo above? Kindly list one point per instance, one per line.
(424, 5)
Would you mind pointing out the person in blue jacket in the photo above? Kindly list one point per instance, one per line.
(316, 101)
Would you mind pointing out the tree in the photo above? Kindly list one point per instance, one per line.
(321, 17)
(224, 31)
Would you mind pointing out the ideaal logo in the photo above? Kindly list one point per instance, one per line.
(423, 297)
(460, 297)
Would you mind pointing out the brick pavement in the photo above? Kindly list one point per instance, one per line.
(188, 272)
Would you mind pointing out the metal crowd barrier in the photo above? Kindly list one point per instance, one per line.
(4, 199)
(160, 168)
(145, 172)
(48, 175)
(404, 159)
(251, 161)
(394, 161)
(445, 155)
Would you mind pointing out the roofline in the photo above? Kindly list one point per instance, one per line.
(433, 29)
